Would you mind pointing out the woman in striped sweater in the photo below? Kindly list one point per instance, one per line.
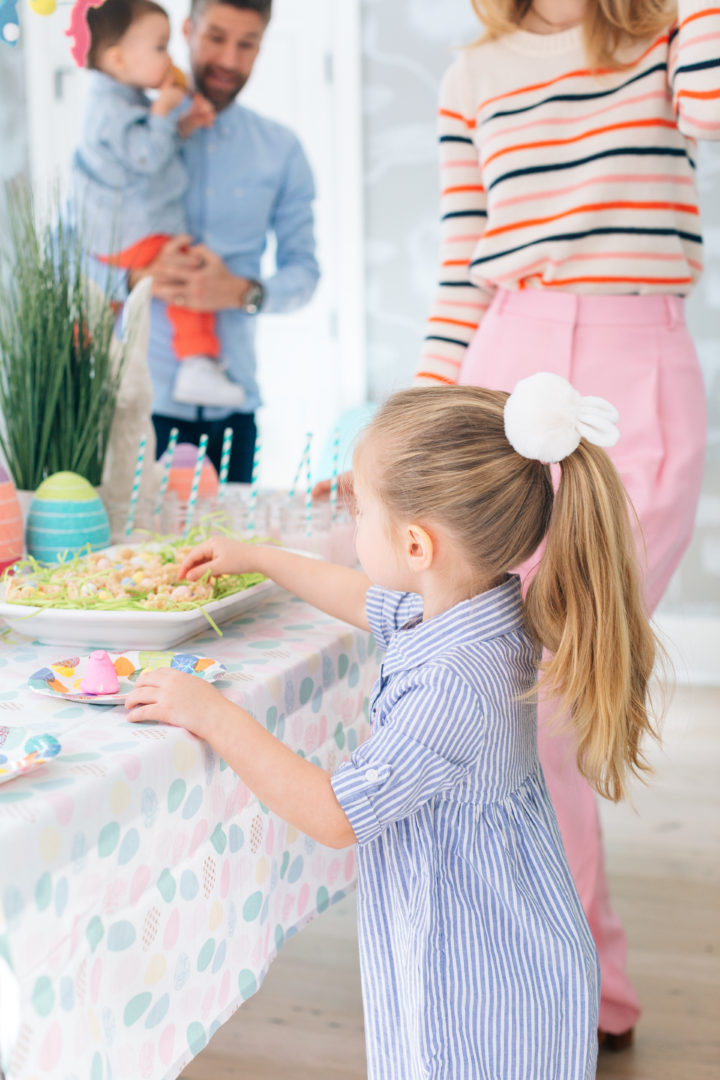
(570, 238)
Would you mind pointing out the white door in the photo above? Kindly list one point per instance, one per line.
(312, 363)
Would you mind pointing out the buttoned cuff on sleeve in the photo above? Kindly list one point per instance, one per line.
(354, 785)
(389, 778)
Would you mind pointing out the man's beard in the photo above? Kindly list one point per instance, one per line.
(218, 96)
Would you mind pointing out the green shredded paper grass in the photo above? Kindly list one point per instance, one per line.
(67, 578)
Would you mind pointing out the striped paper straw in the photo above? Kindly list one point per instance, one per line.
(202, 450)
(334, 474)
(136, 486)
(225, 461)
(172, 443)
(298, 474)
(308, 489)
(254, 480)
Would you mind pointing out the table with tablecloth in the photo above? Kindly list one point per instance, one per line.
(144, 890)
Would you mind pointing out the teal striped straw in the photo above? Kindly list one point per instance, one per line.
(254, 481)
(172, 443)
(225, 461)
(334, 474)
(202, 450)
(134, 494)
(298, 474)
(308, 489)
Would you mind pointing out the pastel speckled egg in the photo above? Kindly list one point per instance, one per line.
(65, 515)
(11, 523)
(182, 471)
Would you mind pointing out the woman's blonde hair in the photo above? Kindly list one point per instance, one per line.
(441, 456)
(608, 24)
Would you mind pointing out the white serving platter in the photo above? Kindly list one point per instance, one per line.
(120, 630)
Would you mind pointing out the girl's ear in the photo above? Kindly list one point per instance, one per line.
(113, 61)
(419, 548)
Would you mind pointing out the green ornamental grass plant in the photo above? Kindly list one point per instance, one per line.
(59, 377)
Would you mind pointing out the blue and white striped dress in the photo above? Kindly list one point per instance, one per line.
(477, 961)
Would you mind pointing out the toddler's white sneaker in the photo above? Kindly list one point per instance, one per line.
(202, 381)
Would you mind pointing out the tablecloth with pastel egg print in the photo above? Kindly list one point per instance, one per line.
(144, 891)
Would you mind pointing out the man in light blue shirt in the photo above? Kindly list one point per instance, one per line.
(248, 176)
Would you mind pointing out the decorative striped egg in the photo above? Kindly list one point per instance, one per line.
(11, 522)
(65, 516)
(182, 471)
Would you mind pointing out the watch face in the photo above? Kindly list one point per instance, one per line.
(254, 298)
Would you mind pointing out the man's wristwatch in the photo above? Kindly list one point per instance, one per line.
(253, 299)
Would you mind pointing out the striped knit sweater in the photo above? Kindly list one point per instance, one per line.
(555, 177)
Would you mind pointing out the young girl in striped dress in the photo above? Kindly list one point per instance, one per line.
(477, 961)
(570, 237)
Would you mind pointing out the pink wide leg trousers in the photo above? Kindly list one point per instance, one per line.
(636, 352)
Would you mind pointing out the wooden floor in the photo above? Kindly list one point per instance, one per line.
(306, 1021)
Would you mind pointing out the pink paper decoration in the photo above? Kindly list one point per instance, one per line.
(11, 522)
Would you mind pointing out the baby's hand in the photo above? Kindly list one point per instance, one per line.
(219, 555)
(200, 114)
(175, 698)
(170, 95)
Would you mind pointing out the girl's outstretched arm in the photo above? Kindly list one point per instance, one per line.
(337, 590)
(295, 789)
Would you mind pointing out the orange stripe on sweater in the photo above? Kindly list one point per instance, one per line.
(462, 187)
(526, 272)
(699, 95)
(590, 208)
(625, 125)
(457, 116)
(581, 73)
(434, 375)
(699, 15)
(454, 322)
(560, 282)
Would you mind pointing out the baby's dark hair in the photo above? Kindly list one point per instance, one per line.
(109, 22)
(261, 7)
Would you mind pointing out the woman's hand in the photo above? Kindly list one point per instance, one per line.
(172, 697)
(220, 555)
(345, 487)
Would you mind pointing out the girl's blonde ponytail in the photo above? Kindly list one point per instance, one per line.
(585, 608)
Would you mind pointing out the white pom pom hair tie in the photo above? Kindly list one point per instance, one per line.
(545, 418)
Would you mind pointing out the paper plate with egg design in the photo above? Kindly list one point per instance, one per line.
(63, 678)
(36, 751)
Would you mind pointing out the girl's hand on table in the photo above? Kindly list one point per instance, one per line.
(172, 697)
(219, 555)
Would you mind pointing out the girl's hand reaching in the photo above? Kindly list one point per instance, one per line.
(220, 555)
(173, 697)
